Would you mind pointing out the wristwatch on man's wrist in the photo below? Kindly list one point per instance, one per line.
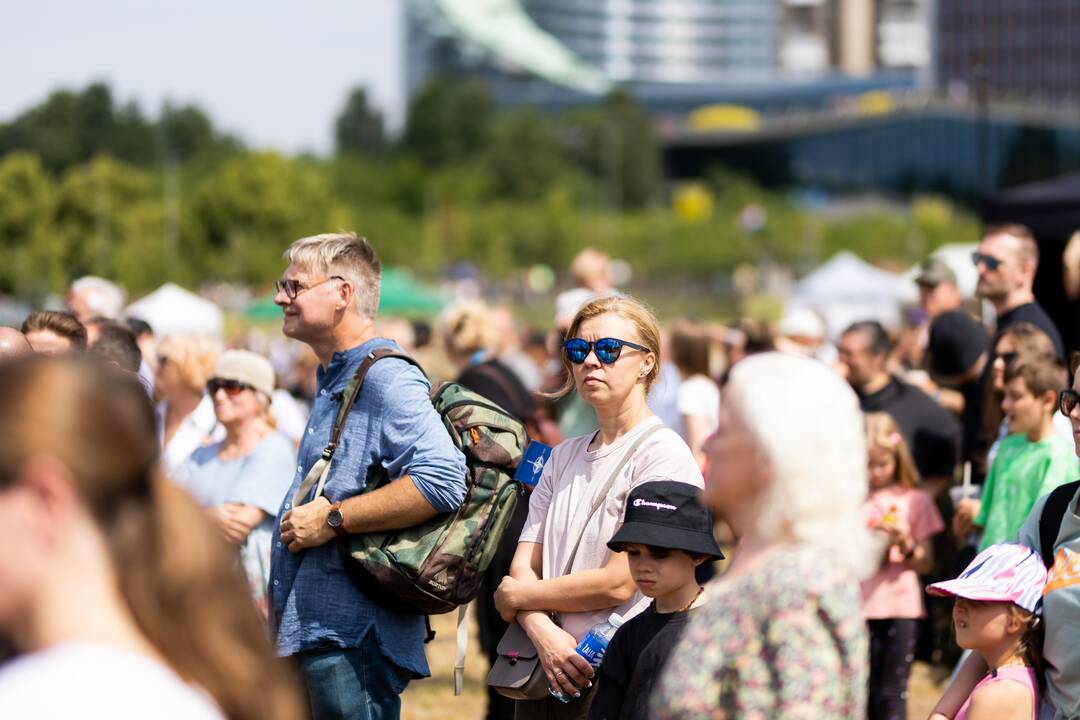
(335, 520)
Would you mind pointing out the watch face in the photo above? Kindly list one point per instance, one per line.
(334, 518)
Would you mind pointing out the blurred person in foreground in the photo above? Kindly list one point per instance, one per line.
(356, 657)
(931, 432)
(242, 479)
(123, 600)
(185, 412)
(13, 343)
(782, 634)
(52, 332)
(562, 563)
(91, 296)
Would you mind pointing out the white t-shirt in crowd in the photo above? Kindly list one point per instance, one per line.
(568, 487)
(199, 428)
(699, 396)
(76, 680)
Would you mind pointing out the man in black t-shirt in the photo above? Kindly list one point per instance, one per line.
(931, 432)
(1006, 260)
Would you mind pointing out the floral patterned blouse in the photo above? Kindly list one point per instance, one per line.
(786, 640)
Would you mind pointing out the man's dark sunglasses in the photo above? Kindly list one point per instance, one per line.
(232, 388)
(292, 288)
(607, 349)
(992, 263)
(1067, 400)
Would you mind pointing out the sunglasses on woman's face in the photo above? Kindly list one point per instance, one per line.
(1067, 401)
(232, 388)
(607, 349)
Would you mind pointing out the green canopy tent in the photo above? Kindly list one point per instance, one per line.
(401, 294)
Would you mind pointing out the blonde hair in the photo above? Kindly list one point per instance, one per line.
(883, 433)
(807, 421)
(630, 309)
(176, 574)
(348, 255)
(466, 328)
(194, 355)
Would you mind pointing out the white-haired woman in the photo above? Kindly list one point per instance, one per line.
(185, 412)
(782, 634)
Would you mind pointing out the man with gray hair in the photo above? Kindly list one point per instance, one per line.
(92, 296)
(356, 657)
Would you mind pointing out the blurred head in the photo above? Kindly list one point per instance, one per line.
(52, 333)
(778, 411)
(466, 329)
(95, 297)
(1016, 339)
(606, 386)
(329, 277)
(937, 287)
(241, 387)
(116, 344)
(184, 364)
(888, 458)
(82, 500)
(690, 348)
(590, 269)
(13, 343)
(863, 350)
(1006, 261)
(1032, 382)
(1070, 406)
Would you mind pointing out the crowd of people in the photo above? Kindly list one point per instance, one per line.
(782, 521)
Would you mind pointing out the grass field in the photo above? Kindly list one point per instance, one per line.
(433, 698)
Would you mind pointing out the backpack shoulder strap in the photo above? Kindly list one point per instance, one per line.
(1053, 512)
(321, 469)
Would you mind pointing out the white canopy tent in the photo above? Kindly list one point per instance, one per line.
(171, 309)
(846, 289)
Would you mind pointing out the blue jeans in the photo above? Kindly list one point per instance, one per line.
(355, 684)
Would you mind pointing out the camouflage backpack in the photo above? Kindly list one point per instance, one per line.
(437, 566)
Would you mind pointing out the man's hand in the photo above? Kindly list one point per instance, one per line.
(305, 525)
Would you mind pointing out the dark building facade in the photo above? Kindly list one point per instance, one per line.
(1022, 51)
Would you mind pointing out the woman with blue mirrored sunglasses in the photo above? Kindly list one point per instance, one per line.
(607, 349)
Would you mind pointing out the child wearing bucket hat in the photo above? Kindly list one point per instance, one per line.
(998, 614)
(666, 534)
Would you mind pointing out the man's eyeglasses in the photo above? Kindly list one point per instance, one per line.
(607, 349)
(1067, 401)
(1008, 357)
(292, 288)
(232, 388)
(992, 263)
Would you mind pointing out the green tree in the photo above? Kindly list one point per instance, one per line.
(359, 128)
(448, 120)
(526, 158)
(28, 242)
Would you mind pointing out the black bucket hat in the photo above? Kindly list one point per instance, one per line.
(667, 514)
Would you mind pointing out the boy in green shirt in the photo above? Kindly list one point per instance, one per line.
(1031, 461)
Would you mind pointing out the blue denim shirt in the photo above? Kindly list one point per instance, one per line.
(314, 605)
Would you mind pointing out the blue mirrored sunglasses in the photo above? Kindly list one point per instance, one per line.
(607, 349)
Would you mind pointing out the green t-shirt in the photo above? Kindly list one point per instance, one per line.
(1023, 471)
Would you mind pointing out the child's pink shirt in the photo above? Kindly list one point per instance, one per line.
(1016, 673)
(894, 590)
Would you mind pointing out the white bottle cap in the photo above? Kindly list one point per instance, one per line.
(615, 619)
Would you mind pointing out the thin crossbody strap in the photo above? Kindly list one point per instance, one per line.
(602, 495)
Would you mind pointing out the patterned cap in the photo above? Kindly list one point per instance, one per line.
(1005, 572)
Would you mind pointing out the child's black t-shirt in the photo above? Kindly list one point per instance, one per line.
(633, 664)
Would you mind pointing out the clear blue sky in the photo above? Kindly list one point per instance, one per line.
(273, 72)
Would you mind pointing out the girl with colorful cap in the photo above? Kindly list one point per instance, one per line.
(998, 615)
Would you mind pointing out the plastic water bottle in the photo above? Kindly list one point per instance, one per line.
(593, 646)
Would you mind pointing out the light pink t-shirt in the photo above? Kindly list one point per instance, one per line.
(1013, 673)
(568, 487)
(894, 590)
